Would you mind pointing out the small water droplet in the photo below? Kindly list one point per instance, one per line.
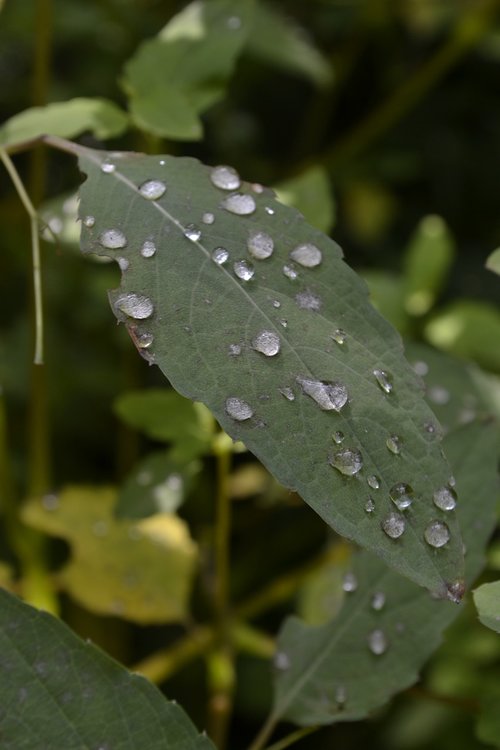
(284, 323)
(384, 380)
(144, 340)
(445, 498)
(50, 502)
(267, 342)
(234, 350)
(290, 272)
(401, 495)
(239, 204)
(430, 428)
(225, 177)
(377, 642)
(394, 444)
(134, 305)
(208, 218)
(152, 189)
(238, 409)
(260, 245)
(220, 255)
(340, 695)
(89, 222)
(452, 481)
(421, 368)
(438, 395)
(243, 270)
(308, 301)
(437, 534)
(394, 525)
(330, 396)
(288, 394)
(281, 661)
(338, 437)
(148, 249)
(378, 601)
(349, 583)
(162, 162)
(307, 255)
(192, 232)
(123, 263)
(339, 336)
(348, 461)
(107, 166)
(257, 187)
(112, 239)
(234, 23)
(373, 482)
(269, 210)
(100, 528)
(370, 505)
(276, 304)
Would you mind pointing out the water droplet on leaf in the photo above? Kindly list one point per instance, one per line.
(192, 232)
(148, 249)
(281, 661)
(234, 350)
(267, 342)
(89, 221)
(339, 336)
(384, 380)
(394, 525)
(378, 601)
(437, 534)
(220, 255)
(288, 394)
(308, 301)
(421, 368)
(152, 189)
(238, 409)
(338, 437)
(370, 505)
(239, 204)
(349, 583)
(144, 340)
(290, 272)
(108, 167)
(307, 255)
(373, 482)
(112, 239)
(377, 642)
(269, 210)
(243, 270)
(401, 495)
(208, 218)
(135, 306)
(445, 498)
(394, 444)
(438, 395)
(225, 178)
(260, 245)
(123, 263)
(348, 461)
(328, 395)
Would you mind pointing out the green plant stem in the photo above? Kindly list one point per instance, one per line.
(222, 530)
(164, 663)
(292, 738)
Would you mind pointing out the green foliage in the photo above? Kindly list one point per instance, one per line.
(493, 262)
(487, 601)
(310, 193)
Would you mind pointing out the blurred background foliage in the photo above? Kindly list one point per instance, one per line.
(379, 119)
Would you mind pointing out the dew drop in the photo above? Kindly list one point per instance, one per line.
(148, 249)
(370, 505)
(123, 263)
(50, 502)
(349, 583)
(307, 255)
(438, 395)
(394, 525)
(269, 210)
(373, 482)
(384, 380)
(239, 204)
(144, 340)
(208, 218)
(260, 245)
(338, 437)
(308, 301)
(378, 601)
(284, 323)
(452, 481)
(288, 394)
(276, 303)
(445, 498)
(290, 272)
(112, 239)
(394, 444)
(437, 534)
(339, 336)
(340, 695)
(377, 642)
(401, 495)
(267, 342)
(162, 162)
(257, 188)
(89, 222)
(220, 255)
(234, 350)
(192, 232)
(243, 270)
(108, 167)
(225, 177)
(348, 461)
(152, 189)
(134, 305)
(281, 661)
(238, 409)
(421, 368)
(330, 396)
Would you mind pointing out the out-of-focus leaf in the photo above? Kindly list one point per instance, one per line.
(369, 209)
(488, 725)
(468, 329)
(487, 601)
(493, 261)
(285, 349)
(388, 627)
(311, 194)
(59, 692)
(321, 596)
(165, 415)
(427, 263)
(141, 571)
(179, 74)
(280, 41)
(66, 119)
(60, 216)
(158, 484)
(387, 295)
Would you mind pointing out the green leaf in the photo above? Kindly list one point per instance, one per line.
(427, 263)
(277, 39)
(330, 673)
(141, 571)
(493, 261)
(183, 71)
(208, 326)
(387, 296)
(310, 192)
(65, 119)
(487, 601)
(59, 692)
(488, 725)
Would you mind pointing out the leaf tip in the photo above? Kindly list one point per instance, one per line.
(455, 590)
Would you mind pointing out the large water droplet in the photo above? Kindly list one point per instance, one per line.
(290, 272)
(148, 249)
(239, 204)
(330, 396)
(394, 444)
(220, 255)
(401, 495)
(123, 263)
(373, 482)
(338, 437)
(437, 534)
(238, 409)
(445, 498)
(348, 461)
(192, 232)
(384, 380)
(378, 601)
(136, 306)
(260, 245)
(112, 239)
(377, 642)
(339, 336)
(288, 394)
(349, 583)
(225, 177)
(208, 218)
(152, 189)
(107, 166)
(267, 342)
(281, 661)
(307, 255)
(89, 222)
(394, 525)
(243, 270)
(308, 301)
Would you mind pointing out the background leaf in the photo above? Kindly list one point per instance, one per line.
(310, 192)
(493, 261)
(487, 601)
(60, 692)
(207, 325)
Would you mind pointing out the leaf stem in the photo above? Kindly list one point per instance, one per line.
(223, 452)
(293, 737)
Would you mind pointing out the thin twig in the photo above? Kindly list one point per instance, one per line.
(293, 737)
